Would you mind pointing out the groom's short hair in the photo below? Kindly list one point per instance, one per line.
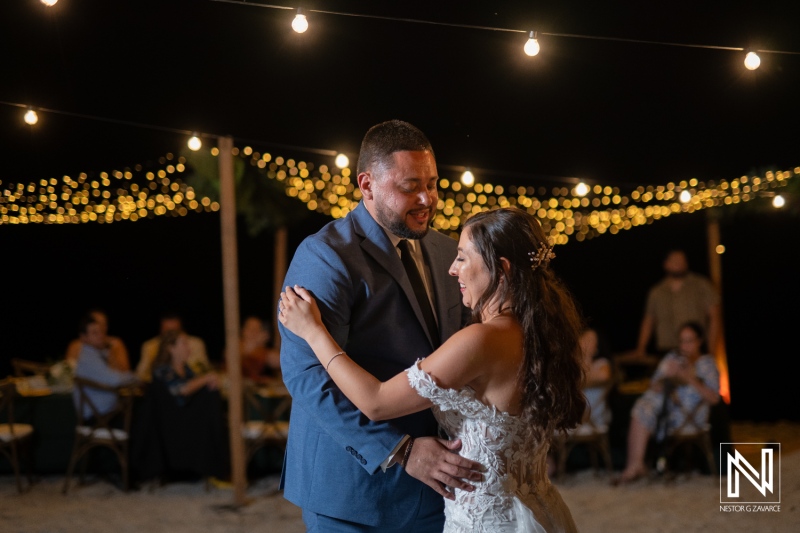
(386, 138)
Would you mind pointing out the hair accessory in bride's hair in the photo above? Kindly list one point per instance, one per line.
(541, 256)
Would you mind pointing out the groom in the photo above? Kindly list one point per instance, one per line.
(342, 469)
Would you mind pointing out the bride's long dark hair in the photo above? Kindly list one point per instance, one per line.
(551, 375)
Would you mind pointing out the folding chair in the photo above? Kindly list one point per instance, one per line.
(97, 429)
(11, 433)
(692, 433)
(590, 434)
(24, 368)
(267, 428)
(632, 374)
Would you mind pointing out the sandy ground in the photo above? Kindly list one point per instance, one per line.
(653, 505)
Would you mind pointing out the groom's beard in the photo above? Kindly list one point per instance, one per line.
(391, 221)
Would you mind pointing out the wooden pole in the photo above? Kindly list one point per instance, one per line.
(279, 252)
(715, 269)
(230, 285)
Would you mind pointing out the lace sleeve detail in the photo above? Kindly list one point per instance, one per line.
(462, 400)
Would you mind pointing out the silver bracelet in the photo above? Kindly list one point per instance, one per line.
(331, 359)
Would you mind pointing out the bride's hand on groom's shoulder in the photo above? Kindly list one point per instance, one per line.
(435, 462)
(299, 311)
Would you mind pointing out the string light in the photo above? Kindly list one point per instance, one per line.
(300, 22)
(342, 161)
(562, 216)
(752, 61)
(31, 117)
(532, 45)
(194, 143)
(532, 35)
(778, 201)
(581, 189)
(468, 178)
(129, 194)
(162, 193)
(720, 249)
(49, 3)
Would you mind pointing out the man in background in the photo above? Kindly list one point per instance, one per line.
(117, 352)
(93, 364)
(198, 358)
(682, 296)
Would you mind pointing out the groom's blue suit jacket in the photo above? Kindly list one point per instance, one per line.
(333, 457)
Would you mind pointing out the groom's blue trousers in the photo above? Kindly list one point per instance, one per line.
(429, 519)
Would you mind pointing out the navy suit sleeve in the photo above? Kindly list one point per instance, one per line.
(319, 269)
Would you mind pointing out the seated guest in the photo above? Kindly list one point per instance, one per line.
(598, 375)
(597, 366)
(688, 375)
(183, 418)
(171, 368)
(259, 359)
(171, 322)
(94, 364)
(117, 353)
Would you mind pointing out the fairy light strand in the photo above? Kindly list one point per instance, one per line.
(105, 197)
(133, 194)
(603, 209)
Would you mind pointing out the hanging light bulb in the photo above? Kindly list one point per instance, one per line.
(31, 117)
(49, 3)
(468, 178)
(778, 202)
(532, 46)
(685, 196)
(300, 22)
(342, 161)
(194, 143)
(752, 61)
(581, 189)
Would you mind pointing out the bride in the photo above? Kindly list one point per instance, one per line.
(502, 385)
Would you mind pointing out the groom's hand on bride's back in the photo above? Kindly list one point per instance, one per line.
(434, 462)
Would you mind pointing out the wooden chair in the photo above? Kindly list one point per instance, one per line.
(268, 427)
(12, 434)
(24, 368)
(632, 374)
(590, 434)
(98, 429)
(692, 434)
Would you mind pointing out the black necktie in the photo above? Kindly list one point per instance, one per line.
(419, 290)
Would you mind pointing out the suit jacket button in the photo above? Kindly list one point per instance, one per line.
(349, 449)
(363, 461)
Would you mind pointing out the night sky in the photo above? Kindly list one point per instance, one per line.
(614, 113)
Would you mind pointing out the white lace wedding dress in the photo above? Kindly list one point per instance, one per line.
(515, 494)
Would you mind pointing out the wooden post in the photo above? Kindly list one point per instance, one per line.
(279, 252)
(230, 285)
(715, 269)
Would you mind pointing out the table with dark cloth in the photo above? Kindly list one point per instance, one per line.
(53, 419)
(174, 440)
(52, 415)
